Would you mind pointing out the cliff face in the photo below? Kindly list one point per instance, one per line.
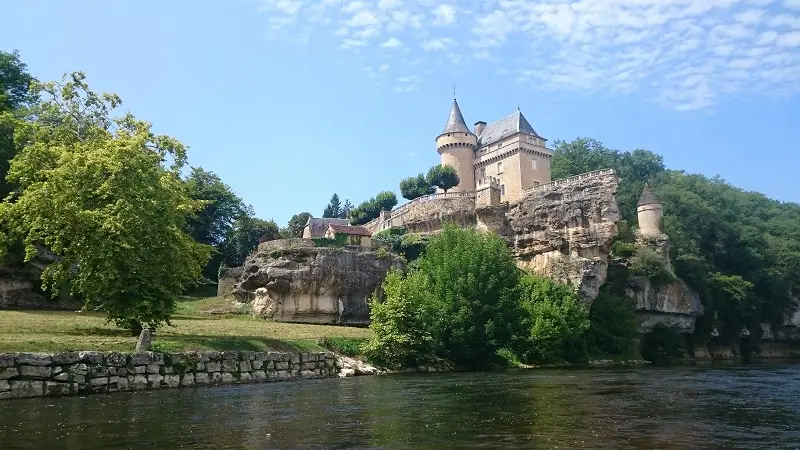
(21, 285)
(673, 304)
(564, 230)
(313, 284)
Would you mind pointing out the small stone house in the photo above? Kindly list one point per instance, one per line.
(355, 235)
(316, 227)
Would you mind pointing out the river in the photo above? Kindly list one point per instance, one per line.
(753, 407)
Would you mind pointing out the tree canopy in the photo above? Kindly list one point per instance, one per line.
(244, 237)
(415, 187)
(221, 207)
(371, 208)
(15, 98)
(297, 223)
(94, 189)
(737, 249)
(443, 177)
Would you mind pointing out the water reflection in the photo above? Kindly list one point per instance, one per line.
(686, 407)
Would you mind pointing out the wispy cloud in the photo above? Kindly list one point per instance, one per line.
(683, 54)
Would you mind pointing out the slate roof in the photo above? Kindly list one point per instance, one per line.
(319, 225)
(350, 229)
(511, 124)
(455, 122)
(648, 197)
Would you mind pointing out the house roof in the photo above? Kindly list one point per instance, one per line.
(507, 126)
(648, 197)
(455, 122)
(319, 225)
(350, 229)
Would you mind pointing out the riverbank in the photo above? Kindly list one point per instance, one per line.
(200, 323)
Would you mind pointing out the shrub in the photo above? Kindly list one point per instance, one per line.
(343, 346)
(613, 328)
(508, 357)
(623, 249)
(648, 263)
(557, 321)
(662, 345)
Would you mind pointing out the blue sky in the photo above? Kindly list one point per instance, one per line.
(292, 100)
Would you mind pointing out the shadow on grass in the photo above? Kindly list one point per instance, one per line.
(173, 342)
(79, 330)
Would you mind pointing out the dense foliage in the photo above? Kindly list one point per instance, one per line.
(465, 301)
(442, 176)
(739, 250)
(371, 208)
(94, 189)
(244, 236)
(296, 224)
(335, 208)
(15, 98)
(408, 245)
(415, 187)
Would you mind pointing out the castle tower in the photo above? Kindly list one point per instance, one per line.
(649, 213)
(457, 146)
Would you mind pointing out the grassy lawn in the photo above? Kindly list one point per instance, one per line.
(193, 329)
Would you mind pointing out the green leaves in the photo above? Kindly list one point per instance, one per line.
(415, 187)
(443, 177)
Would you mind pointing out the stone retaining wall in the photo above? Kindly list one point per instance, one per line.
(76, 373)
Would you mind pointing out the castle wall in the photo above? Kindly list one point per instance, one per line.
(649, 218)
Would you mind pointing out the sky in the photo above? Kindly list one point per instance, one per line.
(289, 101)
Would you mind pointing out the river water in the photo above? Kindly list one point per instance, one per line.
(753, 407)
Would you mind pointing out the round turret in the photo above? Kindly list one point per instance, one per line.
(457, 146)
(649, 213)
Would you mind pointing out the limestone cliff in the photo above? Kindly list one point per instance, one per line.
(564, 230)
(313, 284)
(21, 285)
(673, 304)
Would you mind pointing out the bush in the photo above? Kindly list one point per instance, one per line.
(557, 321)
(624, 249)
(613, 328)
(343, 346)
(648, 263)
(662, 345)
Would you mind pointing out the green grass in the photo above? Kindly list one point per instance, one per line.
(193, 328)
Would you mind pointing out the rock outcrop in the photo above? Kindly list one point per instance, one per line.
(313, 284)
(672, 305)
(564, 230)
(21, 284)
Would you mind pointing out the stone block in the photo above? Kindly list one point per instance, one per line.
(203, 357)
(140, 369)
(166, 370)
(257, 364)
(213, 355)
(310, 365)
(99, 381)
(201, 378)
(213, 366)
(27, 388)
(261, 356)
(54, 389)
(269, 365)
(34, 359)
(5, 395)
(7, 360)
(244, 366)
(98, 371)
(329, 355)
(227, 377)
(230, 355)
(247, 356)
(283, 375)
(259, 375)
(138, 381)
(282, 365)
(153, 368)
(66, 358)
(295, 358)
(172, 381)
(308, 374)
(230, 365)
(154, 380)
(216, 377)
(35, 371)
(122, 384)
(330, 362)
(347, 373)
(141, 359)
(91, 357)
(156, 358)
(4, 385)
(200, 366)
(245, 377)
(274, 356)
(9, 372)
(187, 379)
(272, 374)
(79, 369)
(294, 373)
(116, 359)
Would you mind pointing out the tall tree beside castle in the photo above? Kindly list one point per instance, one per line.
(95, 190)
(444, 177)
(415, 187)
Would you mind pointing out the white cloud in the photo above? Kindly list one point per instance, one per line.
(392, 42)
(383, 67)
(682, 54)
(444, 14)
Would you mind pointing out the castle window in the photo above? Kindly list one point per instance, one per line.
(500, 167)
(502, 189)
(483, 172)
(534, 164)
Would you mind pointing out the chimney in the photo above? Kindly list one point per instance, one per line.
(479, 126)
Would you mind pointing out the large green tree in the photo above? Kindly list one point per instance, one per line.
(15, 98)
(221, 206)
(371, 208)
(415, 187)
(297, 223)
(244, 237)
(94, 189)
(443, 177)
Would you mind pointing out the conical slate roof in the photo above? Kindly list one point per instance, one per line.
(647, 197)
(455, 123)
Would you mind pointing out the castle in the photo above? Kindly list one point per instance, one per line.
(507, 152)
